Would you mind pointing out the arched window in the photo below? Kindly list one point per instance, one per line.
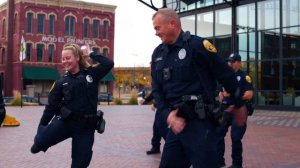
(29, 22)
(3, 27)
(40, 52)
(70, 26)
(15, 23)
(96, 49)
(41, 20)
(105, 52)
(86, 27)
(51, 24)
(96, 24)
(28, 51)
(50, 53)
(105, 29)
(3, 56)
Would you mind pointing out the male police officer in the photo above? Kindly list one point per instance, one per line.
(237, 121)
(184, 73)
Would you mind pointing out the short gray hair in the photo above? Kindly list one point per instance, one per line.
(168, 14)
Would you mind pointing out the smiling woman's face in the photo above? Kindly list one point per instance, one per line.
(70, 61)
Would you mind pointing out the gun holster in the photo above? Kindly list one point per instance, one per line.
(101, 122)
(191, 107)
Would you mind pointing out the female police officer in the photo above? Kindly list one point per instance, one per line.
(73, 105)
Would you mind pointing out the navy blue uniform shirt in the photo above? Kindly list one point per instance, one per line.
(244, 81)
(78, 92)
(177, 59)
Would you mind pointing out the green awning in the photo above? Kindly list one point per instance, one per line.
(108, 77)
(40, 73)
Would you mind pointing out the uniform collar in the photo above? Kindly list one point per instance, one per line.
(179, 42)
(81, 71)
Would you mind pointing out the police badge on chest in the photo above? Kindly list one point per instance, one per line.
(89, 78)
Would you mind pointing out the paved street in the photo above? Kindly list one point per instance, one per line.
(271, 141)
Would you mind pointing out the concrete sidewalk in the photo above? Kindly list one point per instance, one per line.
(271, 141)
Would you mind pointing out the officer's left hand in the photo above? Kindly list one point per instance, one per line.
(176, 123)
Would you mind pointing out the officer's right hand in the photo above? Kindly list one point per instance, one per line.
(176, 123)
(86, 50)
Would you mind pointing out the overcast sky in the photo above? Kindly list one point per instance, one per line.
(135, 38)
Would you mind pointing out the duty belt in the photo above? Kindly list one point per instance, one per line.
(191, 98)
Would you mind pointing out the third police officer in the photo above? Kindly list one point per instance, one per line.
(237, 121)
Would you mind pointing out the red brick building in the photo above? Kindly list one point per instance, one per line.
(47, 25)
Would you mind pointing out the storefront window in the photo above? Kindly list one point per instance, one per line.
(246, 46)
(188, 23)
(268, 14)
(245, 18)
(222, 1)
(269, 75)
(223, 45)
(268, 44)
(205, 24)
(291, 13)
(291, 43)
(223, 22)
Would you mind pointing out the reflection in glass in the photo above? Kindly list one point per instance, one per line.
(291, 13)
(186, 5)
(246, 46)
(223, 45)
(291, 44)
(269, 75)
(205, 24)
(188, 23)
(245, 18)
(291, 74)
(268, 14)
(223, 22)
(268, 45)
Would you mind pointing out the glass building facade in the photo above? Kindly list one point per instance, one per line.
(264, 32)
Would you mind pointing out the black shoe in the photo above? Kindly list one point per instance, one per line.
(34, 149)
(235, 166)
(153, 151)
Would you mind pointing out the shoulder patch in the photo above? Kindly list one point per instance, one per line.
(248, 79)
(52, 87)
(209, 47)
